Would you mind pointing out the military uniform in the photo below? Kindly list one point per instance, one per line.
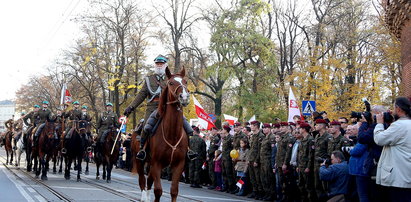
(289, 180)
(9, 124)
(236, 139)
(214, 144)
(227, 163)
(320, 152)
(198, 145)
(18, 129)
(336, 143)
(305, 159)
(72, 116)
(42, 116)
(254, 157)
(106, 121)
(267, 175)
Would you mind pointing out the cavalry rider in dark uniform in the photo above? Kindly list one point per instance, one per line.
(18, 129)
(151, 91)
(85, 117)
(43, 115)
(31, 117)
(108, 120)
(72, 115)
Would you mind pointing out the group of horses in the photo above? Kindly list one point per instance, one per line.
(168, 145)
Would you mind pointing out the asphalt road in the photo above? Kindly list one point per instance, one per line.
(16, 184)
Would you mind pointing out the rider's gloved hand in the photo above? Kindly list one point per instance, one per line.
(128, 111)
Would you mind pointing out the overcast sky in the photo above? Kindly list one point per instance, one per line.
(33, 33)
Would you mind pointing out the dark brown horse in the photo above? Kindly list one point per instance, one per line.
(169, 144)
(103, 156)
(8, 146)
(46, 147)
(76, 147)
(137, 165)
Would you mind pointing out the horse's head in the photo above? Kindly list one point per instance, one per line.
(177, 88)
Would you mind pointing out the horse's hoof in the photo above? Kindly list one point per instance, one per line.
(108, 181)
(54, 172)
(97, 177)
(78, 180)
(104, 177)
(60, 172)
(43, 177)
(86, 173)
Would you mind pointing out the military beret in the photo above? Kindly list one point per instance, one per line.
(46, 102)
(266, 125)
(305, 125)
(226, 127)
(335, 123)
(318, 121)
(284, 123)
(291, 123)
(237, 124)
(277, 125)
(246, 123)
(255, 123)
(299, 122)
(84, 107)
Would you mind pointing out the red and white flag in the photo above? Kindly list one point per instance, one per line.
(204, 120)
(240, 183)
(65, 95)
(292, 106)
(230, 119)
(204, 166)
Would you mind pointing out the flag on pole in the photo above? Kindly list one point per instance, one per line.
(65, 95)
(230, 119)
(204, 166)
(292, 106)
(204, 120)
(240, 183)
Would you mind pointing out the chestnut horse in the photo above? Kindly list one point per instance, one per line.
(8, 146)
(46, 147)
(169, 144)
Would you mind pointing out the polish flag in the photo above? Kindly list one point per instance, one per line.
(204, 166)
(65, 95)
(204, 120)
(292, 107)
(230, 119)
(240, 183)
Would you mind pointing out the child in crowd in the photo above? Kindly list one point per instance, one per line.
(241, 166)
(217, 169)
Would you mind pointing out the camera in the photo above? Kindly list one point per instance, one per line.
(321, 160)
(347, 149)
(367, 114)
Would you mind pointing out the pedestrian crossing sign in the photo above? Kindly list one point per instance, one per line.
(308, 107)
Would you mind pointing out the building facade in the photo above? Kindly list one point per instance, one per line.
(7, 110)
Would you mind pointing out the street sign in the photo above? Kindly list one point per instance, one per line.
(308, 107)
(213, 117)
(123, 128)
(120, 120)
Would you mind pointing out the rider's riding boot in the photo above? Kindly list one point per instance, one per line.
(15, 143)
(189, 131)
(141, 155)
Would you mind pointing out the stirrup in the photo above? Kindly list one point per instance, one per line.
(64, 151)
(141, 155)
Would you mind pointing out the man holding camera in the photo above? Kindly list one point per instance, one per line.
(394, 166)
(336, 175)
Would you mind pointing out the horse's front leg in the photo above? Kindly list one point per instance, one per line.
(79, 159)
(45, 167)
(177, 169)
(104, 171)
(61, 163)
(109, 168)
(87, 161)
(158, 190)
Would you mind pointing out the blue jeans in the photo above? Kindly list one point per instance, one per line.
(363, 187)
(218, 178)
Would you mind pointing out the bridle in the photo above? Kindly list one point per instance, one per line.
(173, 93)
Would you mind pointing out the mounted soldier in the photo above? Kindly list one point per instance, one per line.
(72, 116)
(9, 124)
(42, 116)
(151, 91)
(87, 119)
(31, 117)
(18, 129)
(107, 121)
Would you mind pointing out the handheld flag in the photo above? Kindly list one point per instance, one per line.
(230, 119)
(204, 120)
(292, 106)
(240, 183)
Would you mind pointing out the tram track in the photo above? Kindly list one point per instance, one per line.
(59, 195)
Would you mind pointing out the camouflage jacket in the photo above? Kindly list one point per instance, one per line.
(236, 139)
(321, 148)
(255, 144)
(266, 147)
(337, 143)
(214, 144)
(227, 147)
(289, 142)
(198, 145)
(305, 157)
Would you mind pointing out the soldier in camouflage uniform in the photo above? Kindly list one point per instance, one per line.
(198, 145)
(227, 162)
(254, 160)
(238, 135)
(280, 157)
(267, 175)
(43, 115)
(106, 122)
(337, 140)
(151, 91)
(214, 145)
(305, 162)
(320, 154)
(289, 180)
